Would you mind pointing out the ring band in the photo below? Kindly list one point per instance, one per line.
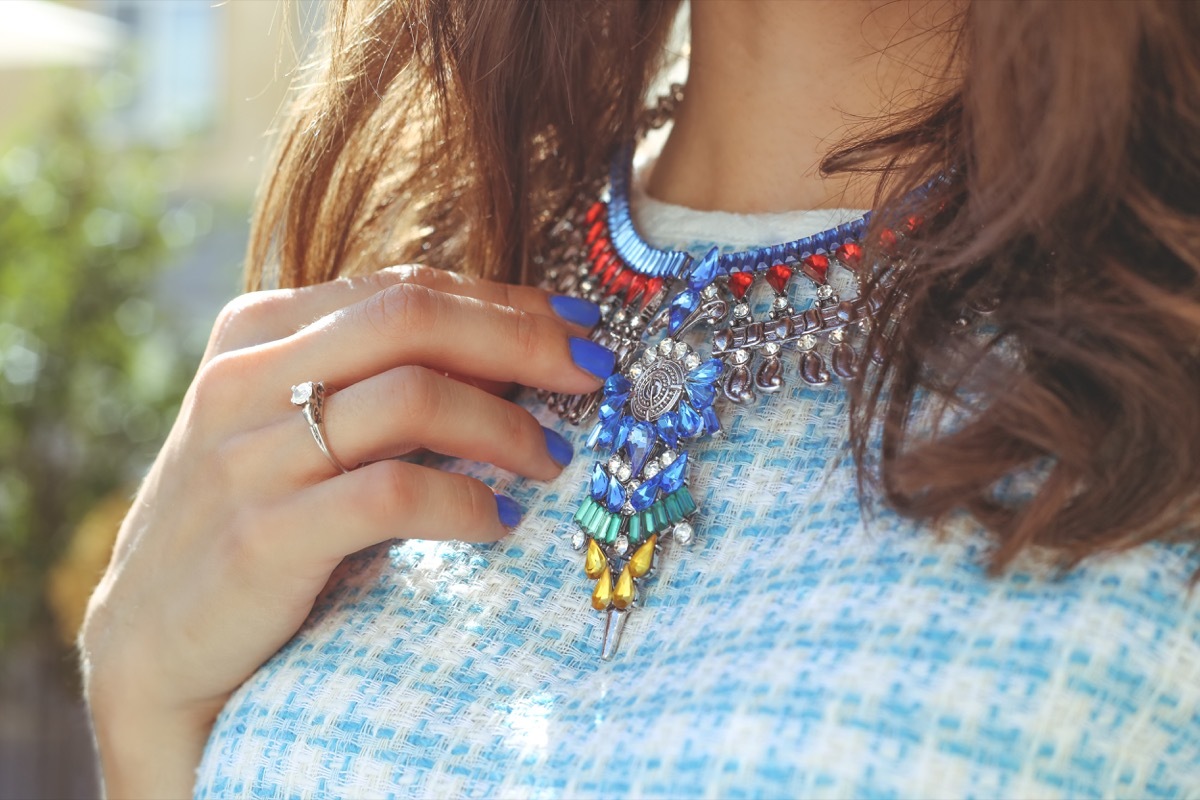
(310, 397)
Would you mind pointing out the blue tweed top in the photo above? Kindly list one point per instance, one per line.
(797, 649)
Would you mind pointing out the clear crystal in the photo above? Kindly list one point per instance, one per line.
(635, 369)
(619, 316)
(635, 322)
(665, 347)
(837, 336)
(709, 292)
(578, 540)
(739, 356)
(667, 457)
(692, 361)
(683, 533)
(614, 464)
(624, 473)
(681, 349)
(825, 291)
(587, 286)
(650, 356)
(606, 308)
(780, 303)
(807, 342)
(741, 310)
(771, 348)
(301, 393)
(627, 509)
(650, 470)
(621, 545)
(864, 324)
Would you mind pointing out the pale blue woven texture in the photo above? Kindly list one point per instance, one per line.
(795, 650)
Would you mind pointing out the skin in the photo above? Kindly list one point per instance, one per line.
(241, 519)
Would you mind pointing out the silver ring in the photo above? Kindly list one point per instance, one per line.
(310, 397)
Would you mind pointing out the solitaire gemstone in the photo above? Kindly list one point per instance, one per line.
(301, 393)
(622, 545)
(741, 310)
(578, 540)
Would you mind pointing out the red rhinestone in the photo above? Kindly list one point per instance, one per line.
(614, 269)
(818, 266)
(595, 232)
(850, 254)
(601, 263)
(887, 240)
(621, 282)
(594, 213)
(739, 283)
(914, 222)
(778, 276)
(653, 286)
(598, 247)
(636, 287)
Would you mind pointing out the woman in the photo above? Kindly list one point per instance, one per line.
(1034, 171)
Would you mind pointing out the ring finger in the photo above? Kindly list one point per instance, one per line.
(408, 408)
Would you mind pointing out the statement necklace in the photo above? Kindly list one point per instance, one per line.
(662, 397)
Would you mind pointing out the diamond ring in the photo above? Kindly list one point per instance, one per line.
(310, 398)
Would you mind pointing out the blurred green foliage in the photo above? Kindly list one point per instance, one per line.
(90, 373)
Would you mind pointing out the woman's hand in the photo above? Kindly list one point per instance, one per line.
(242, 518)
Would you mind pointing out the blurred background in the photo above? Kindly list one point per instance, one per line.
(132, 137)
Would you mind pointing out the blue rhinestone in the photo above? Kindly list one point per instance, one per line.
(643, 496)
(599, 482)
(621, 433)
(705, 271)
(711, 423)
(682, 307)
(671, 478)
(706, 372)
(690, 424)
(668, 428)
(595, 436)
(617, 384)
(641, 442)
(615, 496)
(702, 395)
(611, 407)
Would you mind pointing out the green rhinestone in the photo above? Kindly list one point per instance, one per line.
(614, 528)
(675, 513)
(661, 520)
(647, 523)
(635, 528)
(585, 510)
(596, 522)
(686, 504)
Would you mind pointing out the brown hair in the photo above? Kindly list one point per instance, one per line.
(452, 132)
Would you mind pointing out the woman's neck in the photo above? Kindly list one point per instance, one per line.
(774, 84)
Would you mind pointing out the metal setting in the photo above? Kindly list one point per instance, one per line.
(310, 397)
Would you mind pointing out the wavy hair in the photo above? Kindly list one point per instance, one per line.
(452, 132)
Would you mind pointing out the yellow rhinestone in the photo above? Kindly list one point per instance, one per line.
(602, 594)
(624, 593)
(595, 562)
(643, 559)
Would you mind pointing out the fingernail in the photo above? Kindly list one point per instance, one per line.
(510, 512)
(560, 449)
(576, 310)
(592, 357)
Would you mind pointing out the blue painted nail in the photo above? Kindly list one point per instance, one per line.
(560, 449)
(592, 357)
(508, 509)
(576, 310)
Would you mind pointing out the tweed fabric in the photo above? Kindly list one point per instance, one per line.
(798, 649)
